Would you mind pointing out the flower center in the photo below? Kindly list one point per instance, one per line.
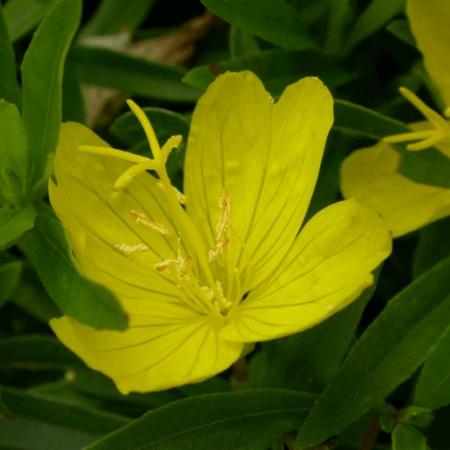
(440, 126)
(191, 268)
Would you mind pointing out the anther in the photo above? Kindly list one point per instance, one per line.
(144, 220)
(127, 249)
(222, 226)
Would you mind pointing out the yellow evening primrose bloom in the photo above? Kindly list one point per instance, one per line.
(370, 175)
(205, 273)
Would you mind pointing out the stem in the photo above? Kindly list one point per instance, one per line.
(371, 435)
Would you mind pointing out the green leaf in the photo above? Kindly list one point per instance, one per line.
(9, 277)
(9, 89)
(276, 68)
(166, 123)
(433, 246)
(36, 422)
(31, 297)
(416, 416)
(433, 387)
(22, 16)
(427, 167)
(132, 75)
(242, 43)
(400, 28)
(114, 16)
(35, 352)
(73, 108)
(13, 223)
(95, 384)
(308, 360)
(281, 24)
(340, 13)
(227, 421)
(13, 145)
(374, 17)
(47, 247)
(42, 75)
(389, 352)
(405, 437)
(327, 190)
(355, 119)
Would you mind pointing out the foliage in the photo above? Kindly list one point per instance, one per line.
(374, 376)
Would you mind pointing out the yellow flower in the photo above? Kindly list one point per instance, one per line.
(370, 174)
(205, 273)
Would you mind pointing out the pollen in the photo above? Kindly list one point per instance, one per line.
(222, 226)
(127, 249)
(142, 219)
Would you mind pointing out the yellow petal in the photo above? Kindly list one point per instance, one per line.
(265, 155)
(430, 21)
(328, 267)
(370, 176)
(110, 243)
(118, 237)
(165, 346)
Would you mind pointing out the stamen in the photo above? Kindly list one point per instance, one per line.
(122, 182)
(222, 226)
(144, 220)
(115, 153)
(427, 138)
(127, 249)
(220, 303)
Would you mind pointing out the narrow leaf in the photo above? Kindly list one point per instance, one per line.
(433, 387)
(35, 352)
(389, 352)
(356, 119)
(374, 17)
(282, 25)
(276, 68)
(426, 167)
(227, 421)
(242, 43)
(13, 223)
(132, 75)
(37, 422)
(42, 75)
(114, 16)
(13, 145)
(9, 89)
(9, 277)
(433, 246)
(22, 16)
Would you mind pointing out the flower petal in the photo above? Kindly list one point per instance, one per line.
(110, 245)
(164, 347)
(369, 175)
(430, 21)
(266, 155)
(328, 266)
